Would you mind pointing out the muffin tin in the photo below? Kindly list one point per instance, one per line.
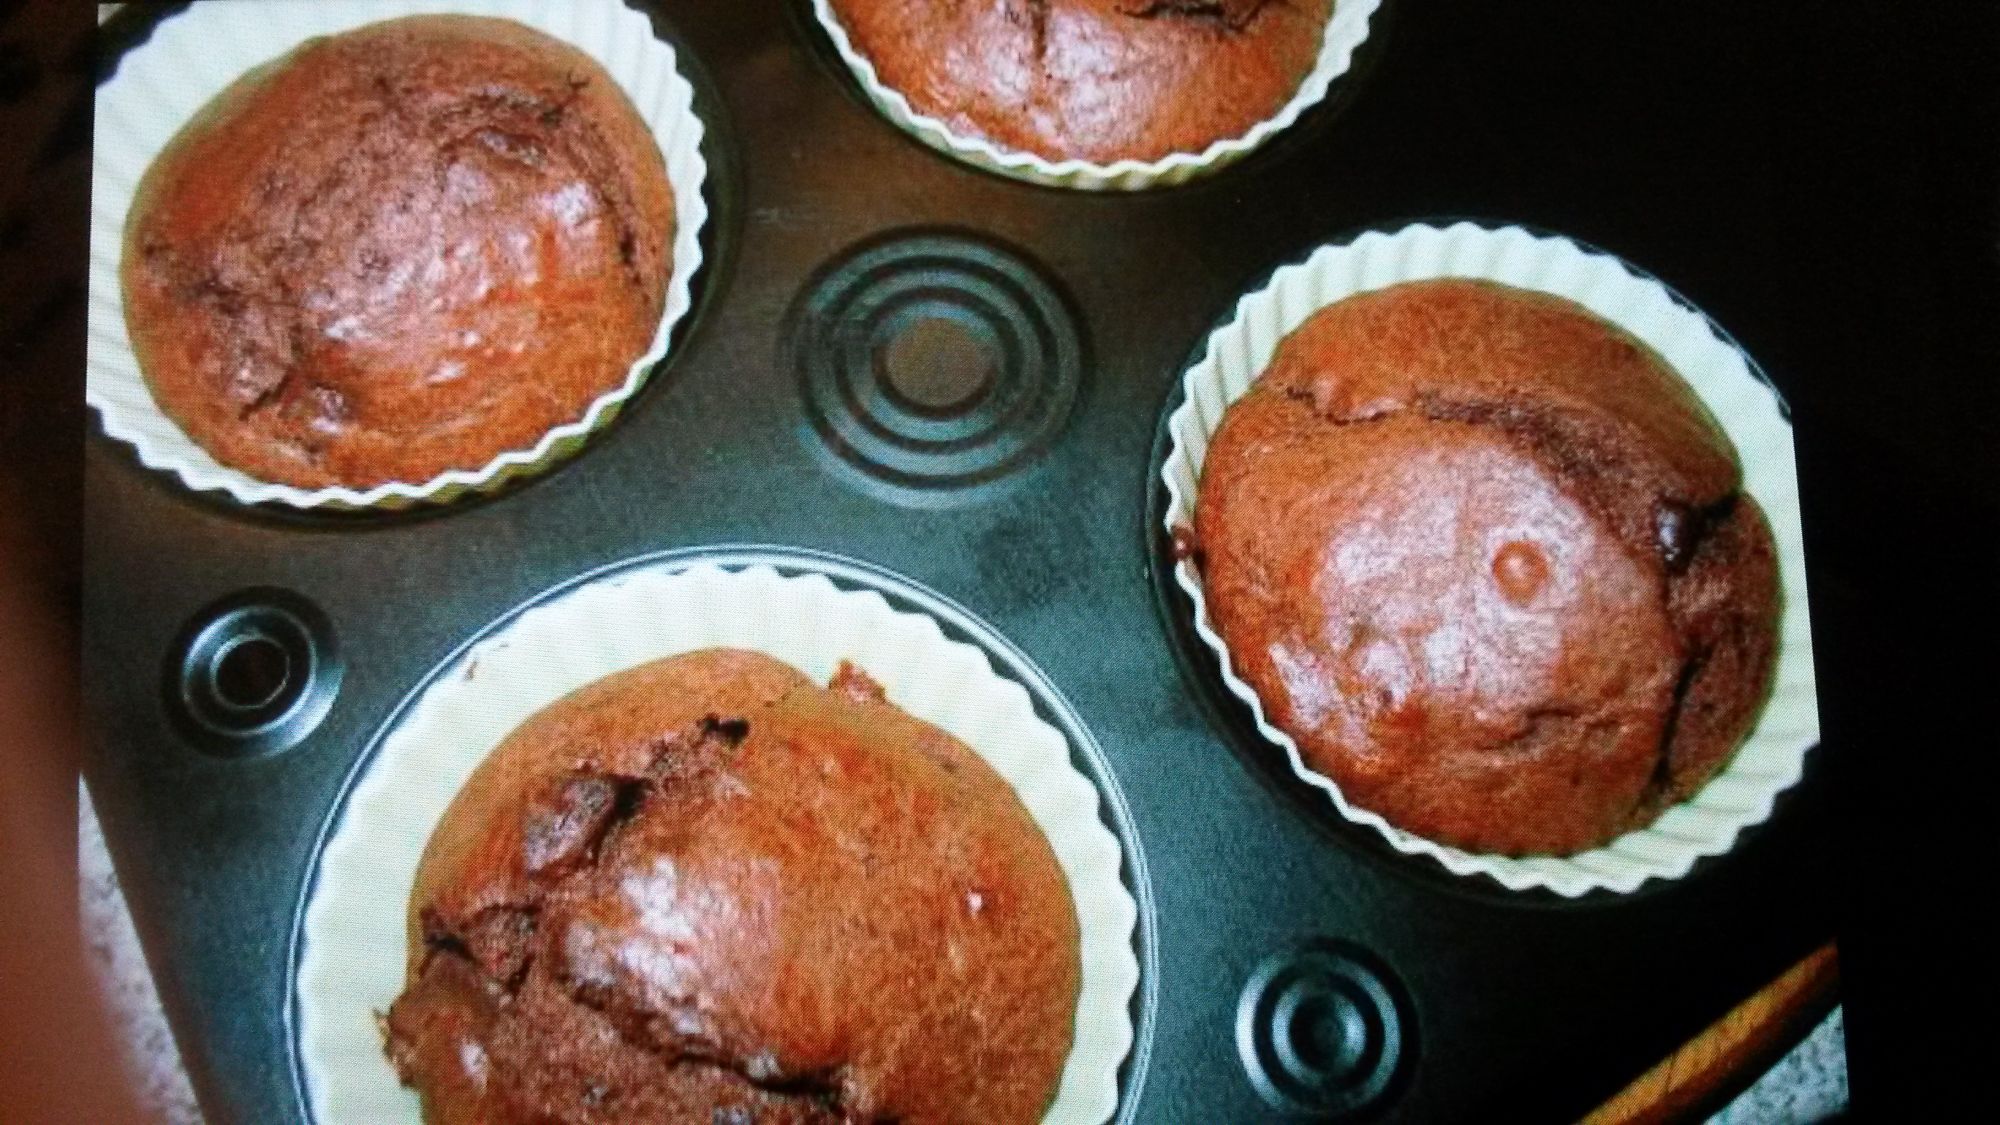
(901, 367)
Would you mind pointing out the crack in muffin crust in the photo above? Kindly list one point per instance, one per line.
(705, 889)
(1095, 80)
(1226, 15)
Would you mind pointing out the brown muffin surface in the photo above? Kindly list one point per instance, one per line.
(706, 890)
(1488, 561)
(398, 251)
(1096, 80)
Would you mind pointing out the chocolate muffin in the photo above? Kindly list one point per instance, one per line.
(398, 251)
(1094, 80)
(1489, 562)
(706, 890)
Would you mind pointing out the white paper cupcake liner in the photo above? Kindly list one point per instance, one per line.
(1345, 32)
(195, 55)
(352, 938)
(1773, 756)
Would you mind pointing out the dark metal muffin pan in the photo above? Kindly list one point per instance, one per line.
(960, 379)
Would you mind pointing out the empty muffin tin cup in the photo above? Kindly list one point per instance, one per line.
(1772, 757)
(810, 611)
(1346, 29)
(193, 56)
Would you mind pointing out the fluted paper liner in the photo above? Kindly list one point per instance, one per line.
(351, 960)
(195, 55)
(1345, 31)
(1773, 756)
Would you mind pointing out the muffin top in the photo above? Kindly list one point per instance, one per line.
(1487, 560)
(398, 251)
(707, 890)
(1095, 80)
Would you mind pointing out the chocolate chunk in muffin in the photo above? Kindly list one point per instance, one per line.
(707, 890)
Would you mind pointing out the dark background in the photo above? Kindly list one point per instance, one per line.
(1818, 177)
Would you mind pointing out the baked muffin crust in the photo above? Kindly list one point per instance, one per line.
(1096, 80)
(1488, 561)
(398, 251)
(706, 890)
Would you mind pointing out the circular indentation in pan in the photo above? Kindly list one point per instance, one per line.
(938, 365)
(252, 673)
(932, 360)
(1320, 1031)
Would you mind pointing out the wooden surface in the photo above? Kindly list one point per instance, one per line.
(1730, 1052)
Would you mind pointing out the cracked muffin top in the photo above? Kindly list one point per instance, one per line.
(1095, 80)
(707, 890)
(398, 251)
(1487, 560)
